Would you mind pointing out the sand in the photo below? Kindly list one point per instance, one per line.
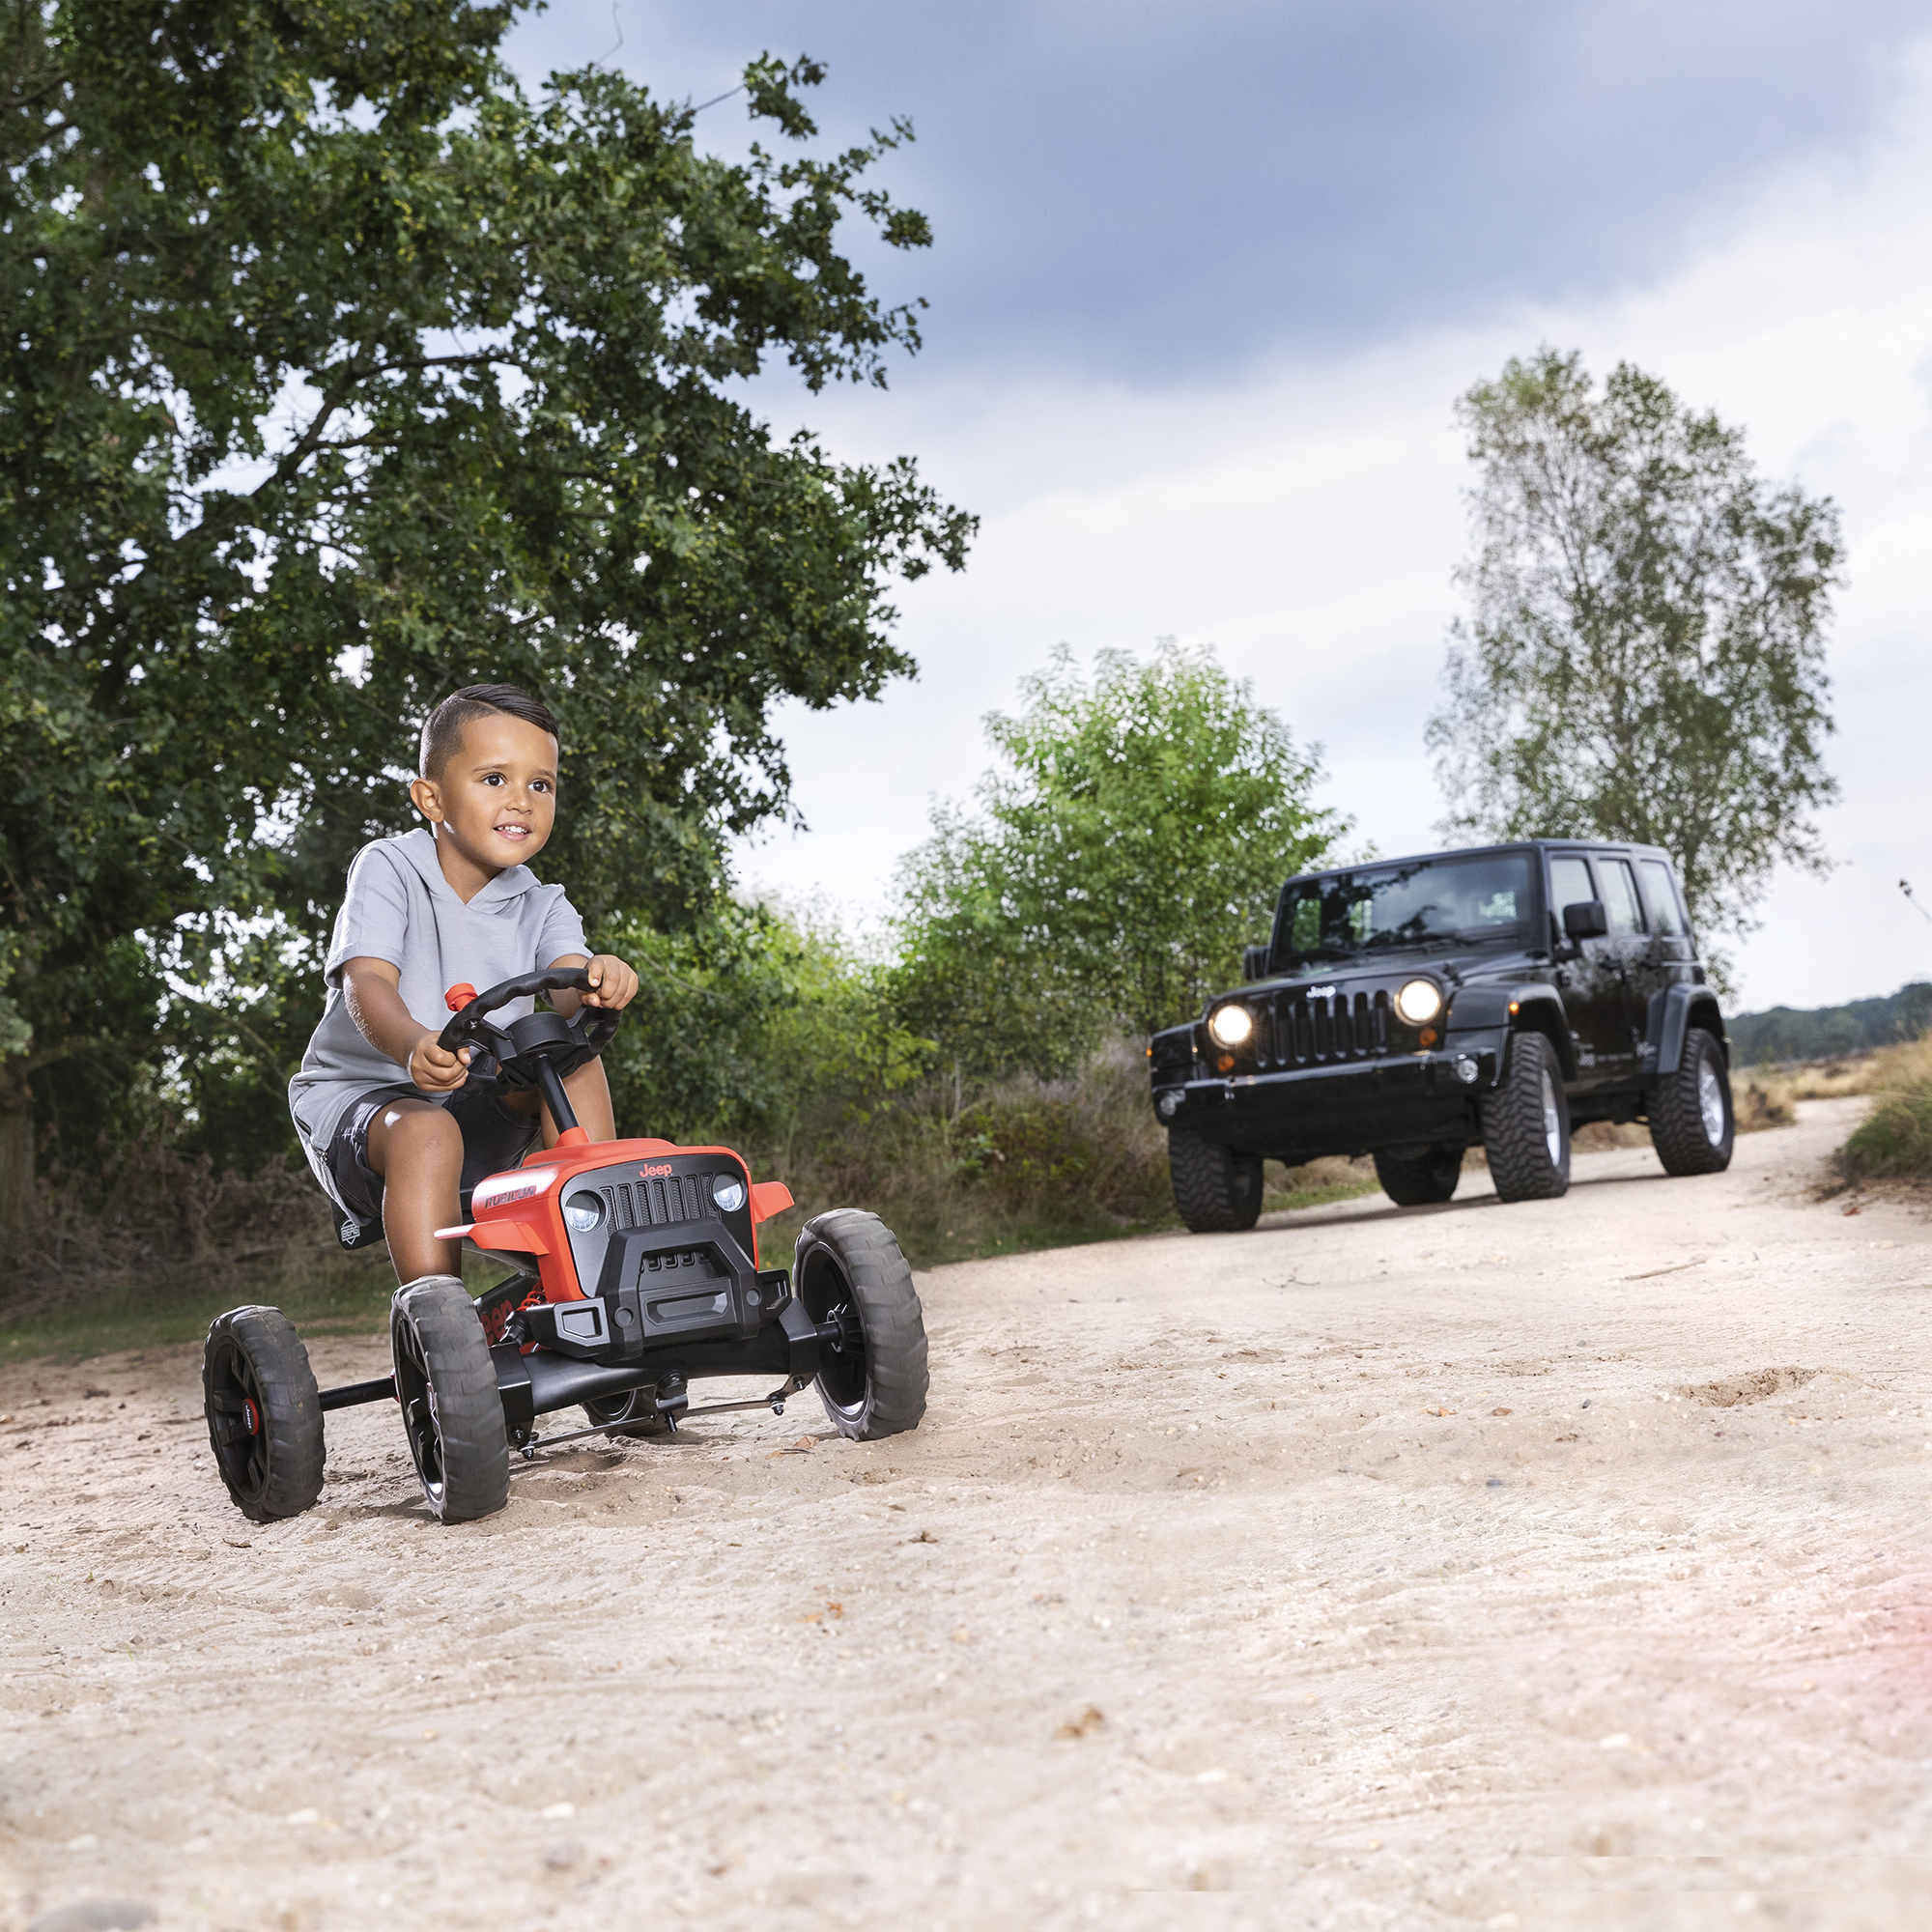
(1372, 1569)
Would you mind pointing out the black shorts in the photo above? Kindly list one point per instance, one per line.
(494, 1137)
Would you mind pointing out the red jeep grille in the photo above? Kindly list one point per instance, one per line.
(658, 1203)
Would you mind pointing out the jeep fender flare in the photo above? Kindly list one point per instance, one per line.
(1537, 1007)
(1673, 1012)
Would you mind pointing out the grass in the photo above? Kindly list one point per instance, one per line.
(1768, 1097)
(331, 1295)
(1894, 1140)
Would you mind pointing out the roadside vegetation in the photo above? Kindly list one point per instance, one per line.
(1894, 1141)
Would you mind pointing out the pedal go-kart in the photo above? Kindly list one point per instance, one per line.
(636, 1272)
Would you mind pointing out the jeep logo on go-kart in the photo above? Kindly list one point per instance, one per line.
(652, 1168)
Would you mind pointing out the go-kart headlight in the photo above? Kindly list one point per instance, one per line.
(1419, 1002)
(584, 1212)
(729, 1194)
(1230, 1024)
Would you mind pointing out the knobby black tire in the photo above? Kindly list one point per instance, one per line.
(1515, 1133)
(446, 1386)
(850, 1258)
(253, 1359)
(1420, 1181)
(1216, 1191)
(1678, 1128)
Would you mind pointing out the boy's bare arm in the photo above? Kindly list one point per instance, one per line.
(613, 984)
(372, 989)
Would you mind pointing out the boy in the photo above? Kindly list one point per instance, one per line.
(379, 1104)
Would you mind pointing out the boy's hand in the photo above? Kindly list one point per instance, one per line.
(612, 983)
(436, 1070)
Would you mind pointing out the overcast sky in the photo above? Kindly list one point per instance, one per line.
(1206, 282)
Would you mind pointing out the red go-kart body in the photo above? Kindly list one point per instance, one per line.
(635, 1270)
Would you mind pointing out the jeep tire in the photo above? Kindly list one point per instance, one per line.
(1217, 1190)
(1420, 1180)
(1527, 1124)
(446, 1387)
(1692, 1121)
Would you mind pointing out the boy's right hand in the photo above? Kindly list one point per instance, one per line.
(435, 1068)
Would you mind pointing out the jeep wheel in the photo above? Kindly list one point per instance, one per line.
(1420, 1180)
(1692, 1124)
(447, 1385)
(849, 1268)
(1527, 1124)
(1217, 1190)
(264, 1413)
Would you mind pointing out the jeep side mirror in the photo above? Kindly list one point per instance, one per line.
(1585, 918)
(1255, 961)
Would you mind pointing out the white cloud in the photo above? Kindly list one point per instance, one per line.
(1306, 519)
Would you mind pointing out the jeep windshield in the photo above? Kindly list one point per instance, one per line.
(1414, 905)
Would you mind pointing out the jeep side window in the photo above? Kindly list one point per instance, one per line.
(1569, 885)
(1660, 889)
(1620, 901)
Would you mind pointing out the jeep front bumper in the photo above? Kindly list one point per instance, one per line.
(1347, 1108)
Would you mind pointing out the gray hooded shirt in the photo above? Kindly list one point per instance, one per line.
(399, 907)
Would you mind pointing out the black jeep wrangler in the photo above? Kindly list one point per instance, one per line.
(1410, 1008)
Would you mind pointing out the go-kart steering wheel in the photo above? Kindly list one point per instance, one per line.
(514, 1059)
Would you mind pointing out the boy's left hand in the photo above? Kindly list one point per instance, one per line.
(612, 983)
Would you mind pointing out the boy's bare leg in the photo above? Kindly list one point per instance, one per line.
(590, 1098)
(417, 1150)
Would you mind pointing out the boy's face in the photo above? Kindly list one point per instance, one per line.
(495, 800)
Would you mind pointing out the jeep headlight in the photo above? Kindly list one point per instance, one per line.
(1419, 1002)
(1231, 1025)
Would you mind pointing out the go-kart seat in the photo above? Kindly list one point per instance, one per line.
(369, 1232)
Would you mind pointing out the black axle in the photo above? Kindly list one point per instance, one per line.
(351, 1395)
(537, 1383)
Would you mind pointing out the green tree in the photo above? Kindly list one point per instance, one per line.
(1136, 834)
(338, 374)
(759, 1024)
(1644, 657)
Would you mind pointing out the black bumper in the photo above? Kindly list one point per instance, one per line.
(1355, 1107)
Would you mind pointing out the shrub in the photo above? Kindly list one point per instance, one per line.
(1894, 1141)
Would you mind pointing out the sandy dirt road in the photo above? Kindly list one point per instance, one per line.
(1362, 1571)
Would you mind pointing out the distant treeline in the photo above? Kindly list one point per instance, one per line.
(1786, 1033)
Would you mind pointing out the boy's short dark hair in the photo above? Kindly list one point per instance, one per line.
(442, 730)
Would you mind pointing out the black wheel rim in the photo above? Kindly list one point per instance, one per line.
(238, 1425)
(416, 1395)
(828, 1296)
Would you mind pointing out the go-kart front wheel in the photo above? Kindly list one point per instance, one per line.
(849, 1268)
(446, 1386)
(264, 1413)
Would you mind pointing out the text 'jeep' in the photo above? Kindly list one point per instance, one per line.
(1410, 1008)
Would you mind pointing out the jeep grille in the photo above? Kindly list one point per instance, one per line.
(1301, 1032)
(658, 1203)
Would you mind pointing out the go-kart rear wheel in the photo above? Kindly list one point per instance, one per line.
(264, 1413)
(446, 1386)
(849, 1268)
